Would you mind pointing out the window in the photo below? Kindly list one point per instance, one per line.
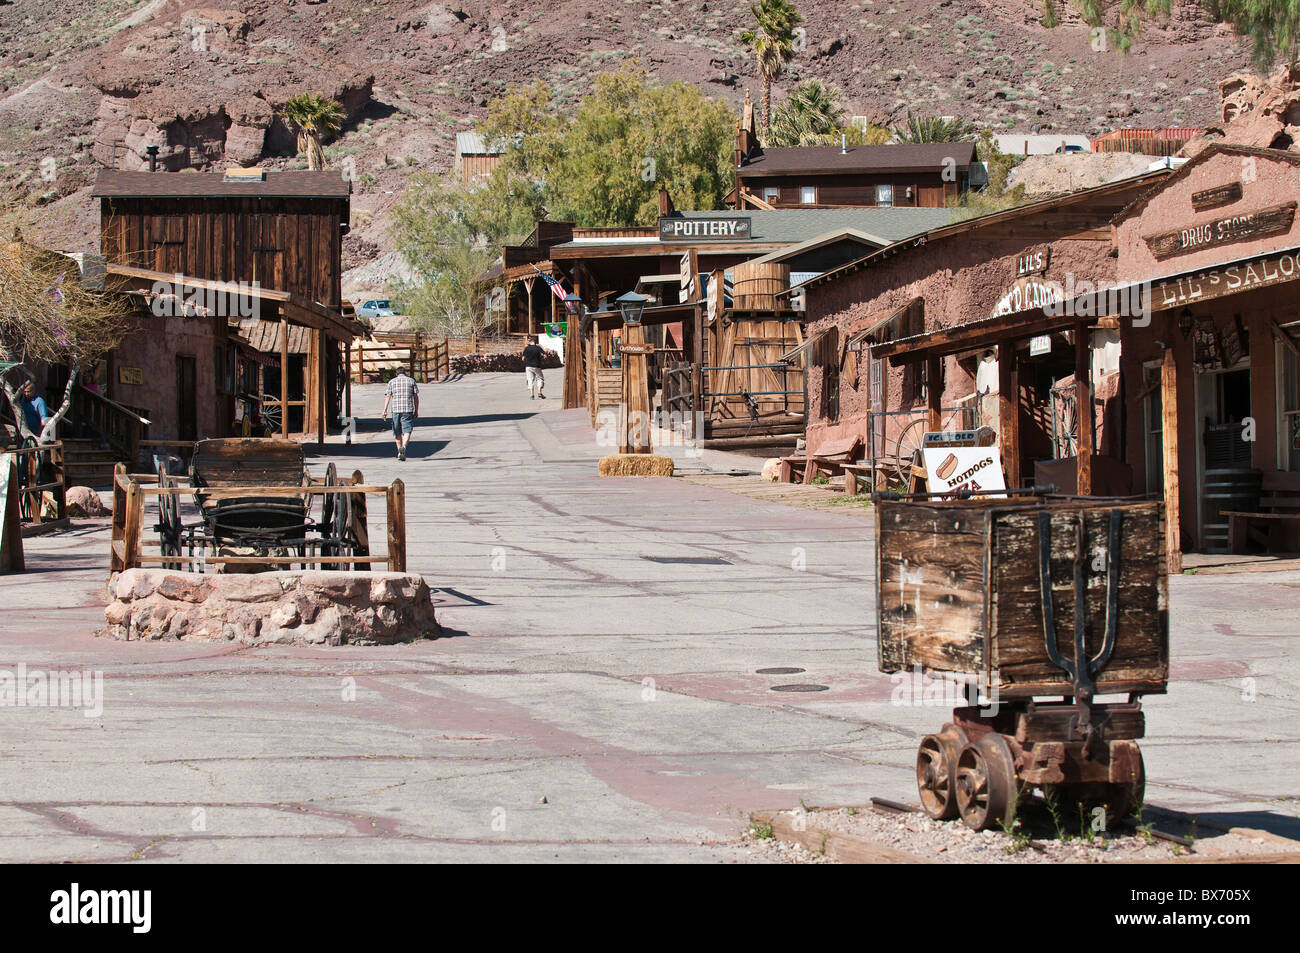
(808, 195)
(771, 194)
(884, 195)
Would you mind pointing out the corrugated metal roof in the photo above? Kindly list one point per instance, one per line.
(472, 144)
(927, 155)
(286, 184)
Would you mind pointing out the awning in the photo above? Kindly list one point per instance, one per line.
(795, 353)
(898, 320)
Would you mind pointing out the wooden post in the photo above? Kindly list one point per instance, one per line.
(360, 527)
(132, 525)
(1083, 409)
(284, 378)
(33, 464)
(397, 527)
(11, 532)
(322, 390)
(698, 428)
(634, 432)
(1009, 412)
(347, 389)
(532, 322)
(934, 393)
(60, 474)
(1169, 449)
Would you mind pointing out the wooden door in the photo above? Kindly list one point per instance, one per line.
(187, 417)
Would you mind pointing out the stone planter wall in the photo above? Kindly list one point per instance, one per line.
(308, 608)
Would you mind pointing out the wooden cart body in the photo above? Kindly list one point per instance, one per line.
(959, 592)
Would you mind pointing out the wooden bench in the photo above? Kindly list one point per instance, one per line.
(830, 459)
(1279, 504)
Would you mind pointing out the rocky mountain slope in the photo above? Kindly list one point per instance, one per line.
(85, 86)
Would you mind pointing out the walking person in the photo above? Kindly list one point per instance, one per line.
(533, 355)
(402, 400)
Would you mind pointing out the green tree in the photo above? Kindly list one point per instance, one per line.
(1119, 22)
(604, 163)
(450, 233)
(315, 118)
(994, 197)
(933, 129)
(810, 115)
(1272, 25)
(772, 38)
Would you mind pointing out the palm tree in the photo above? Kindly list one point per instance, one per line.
(810, 115)
(934, 129)
(772, 40)
(316, 119)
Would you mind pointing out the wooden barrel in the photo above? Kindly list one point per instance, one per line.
(755, 285)
(1235, 489)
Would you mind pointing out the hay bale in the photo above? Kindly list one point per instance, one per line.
(635, 464)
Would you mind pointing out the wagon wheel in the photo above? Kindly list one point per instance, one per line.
(936, 767)
(169, 518)
(986, 785)
(327, 510)
(909, 440)
(341, 526)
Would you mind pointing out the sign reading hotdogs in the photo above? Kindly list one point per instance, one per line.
(963, 468)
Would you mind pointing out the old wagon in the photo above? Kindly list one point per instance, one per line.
(1035, 606)
(240, 489)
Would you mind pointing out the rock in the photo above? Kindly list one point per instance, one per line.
(772, 469)
(84, 502)
(304, 608)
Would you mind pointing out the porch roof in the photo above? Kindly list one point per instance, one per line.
(294, 308)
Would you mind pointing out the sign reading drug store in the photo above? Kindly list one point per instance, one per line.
(712, 228)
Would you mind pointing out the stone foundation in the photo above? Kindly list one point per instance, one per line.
(304, 608)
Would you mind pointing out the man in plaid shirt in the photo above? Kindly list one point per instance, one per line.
(403, 401)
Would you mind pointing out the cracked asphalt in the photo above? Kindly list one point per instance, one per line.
(595, 698)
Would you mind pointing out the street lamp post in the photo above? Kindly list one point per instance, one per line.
(634, 430)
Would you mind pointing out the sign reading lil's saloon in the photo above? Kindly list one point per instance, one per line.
(1242, 226)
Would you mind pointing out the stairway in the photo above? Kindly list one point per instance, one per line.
(87, 463)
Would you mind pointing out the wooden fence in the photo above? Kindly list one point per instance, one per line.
(40, 476)
(425, 359)
(131, 489)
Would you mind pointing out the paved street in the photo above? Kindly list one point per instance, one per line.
(596, 696)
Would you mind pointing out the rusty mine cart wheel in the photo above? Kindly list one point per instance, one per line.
(936, 767)
(986, 788)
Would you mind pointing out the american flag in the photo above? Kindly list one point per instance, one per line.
(553, 282)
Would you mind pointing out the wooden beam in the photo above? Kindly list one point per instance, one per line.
(284, 377)
(1083, 401)
(322, 392)
(1169, 453)
(934, 392)
(1009, 413)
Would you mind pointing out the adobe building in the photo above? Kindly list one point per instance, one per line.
(860, 315)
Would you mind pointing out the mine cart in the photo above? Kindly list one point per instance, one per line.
(1036, 606)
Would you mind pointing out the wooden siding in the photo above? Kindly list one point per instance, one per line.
(290, 244)
(928, 190)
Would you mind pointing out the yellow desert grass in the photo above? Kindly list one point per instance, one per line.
(635, 464)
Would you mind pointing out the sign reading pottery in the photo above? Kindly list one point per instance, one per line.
(1027, 294)
(949, 469)
(1274, 220)
(713, 228)
(1225, 280)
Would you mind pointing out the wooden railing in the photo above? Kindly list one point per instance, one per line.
(425, 359)
(131, 489)
(41, 471)
(121, 427)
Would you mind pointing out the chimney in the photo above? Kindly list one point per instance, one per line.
(844, 144)
(152, 153)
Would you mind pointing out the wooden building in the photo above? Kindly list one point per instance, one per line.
(239, 277)
(475, 159)
(1181, 343)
